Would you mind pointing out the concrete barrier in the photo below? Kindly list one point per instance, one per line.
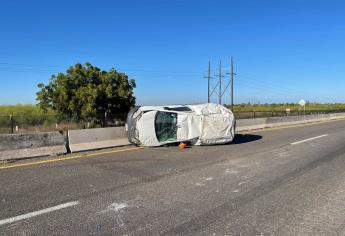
(270, 122)
(16, 146)
(255, 123)
(91, 139)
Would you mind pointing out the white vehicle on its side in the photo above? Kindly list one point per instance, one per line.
(202, 124)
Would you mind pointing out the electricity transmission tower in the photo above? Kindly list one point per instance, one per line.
(222, 85)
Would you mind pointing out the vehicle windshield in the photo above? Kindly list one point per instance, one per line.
(165, 126)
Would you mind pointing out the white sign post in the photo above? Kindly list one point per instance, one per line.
(302, 104)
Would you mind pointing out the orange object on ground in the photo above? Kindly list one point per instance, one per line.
(182, 145)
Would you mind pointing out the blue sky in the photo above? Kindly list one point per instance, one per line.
(283, 50)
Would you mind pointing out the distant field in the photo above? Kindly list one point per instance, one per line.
(22, 110)
(27, 118)
(30, 118)
(32, 110)
(283, 107)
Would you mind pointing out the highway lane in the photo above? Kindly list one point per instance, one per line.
(284, 181)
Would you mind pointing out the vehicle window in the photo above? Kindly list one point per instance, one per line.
(165, 126)
(181, 108)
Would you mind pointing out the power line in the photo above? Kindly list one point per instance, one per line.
(274, 89)
(259, 88)
(18, 66)
(269, 84)
(31, 65)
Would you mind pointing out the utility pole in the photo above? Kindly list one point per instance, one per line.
(232, 84)
(208, 84)
(220, 83)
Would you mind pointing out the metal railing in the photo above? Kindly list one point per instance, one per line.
(45, 123)
(264, 114)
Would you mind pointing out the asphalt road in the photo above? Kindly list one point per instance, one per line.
(276, 182)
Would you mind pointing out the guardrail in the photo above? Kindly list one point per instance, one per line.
(45, 123)
(265, 114)
(269, 122)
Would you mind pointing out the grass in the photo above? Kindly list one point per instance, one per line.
(291, 106)
(23, 110)
(28, 117)
(32, 110)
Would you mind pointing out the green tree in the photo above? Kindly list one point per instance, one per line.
(86, 92)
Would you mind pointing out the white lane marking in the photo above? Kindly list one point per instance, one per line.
(37, 213)
(284, 154)
(309, 139)
(243, 182)
(231, 171)
(116, 207)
